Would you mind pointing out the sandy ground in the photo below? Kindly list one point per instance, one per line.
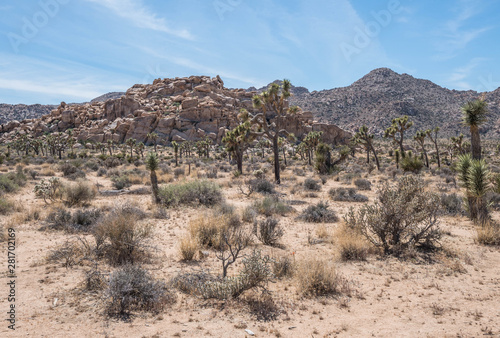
(454, 296)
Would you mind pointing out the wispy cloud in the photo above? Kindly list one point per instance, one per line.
(461, 76)
(456, 33)
(141, 16)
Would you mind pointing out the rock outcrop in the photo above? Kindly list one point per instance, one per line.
(177, 109)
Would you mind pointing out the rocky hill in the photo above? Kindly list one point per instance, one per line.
(382, 95)
(19, 112)
(176, 109)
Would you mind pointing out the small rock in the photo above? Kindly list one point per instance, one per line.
(249, 332)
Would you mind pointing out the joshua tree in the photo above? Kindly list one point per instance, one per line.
(323, 158)
(131, 143)
(396, 131)
(152, 166)
(176, 152)
(312, 140)
(365, 139)
(273, 105)
(420, 139)
(153, 137)
(239, 139)
(110, 147)
(433, 135)
(263, 143)
(474, 113)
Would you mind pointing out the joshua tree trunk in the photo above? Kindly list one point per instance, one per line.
(154, 186)
(376, 157)
(475, 142)
(284, 155)
(276, 160)
(239, 160)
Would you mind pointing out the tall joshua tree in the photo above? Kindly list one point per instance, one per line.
(365, 139)
(474, 113)
(396, 131)
(176, 152)
(433, 135)
(153, 137)
(239, 139)
(273, 106)
(420, 139)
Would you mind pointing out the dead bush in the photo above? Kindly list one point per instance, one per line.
(319, 278)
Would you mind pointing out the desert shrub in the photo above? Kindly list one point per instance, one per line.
(283, 267)
(261, 185)
(272, 205)
(318, 213)
(212, 172)
(133, 288)
(122, 237)
(11, 182)
(112, 162)
(178, 172)
(58, 219)
(363, 184)
(311, 185)
(268, 231)
(412, 164)
(488, 233)
(255, 273)
(206, 230)
(192, 193)
(101, 172)
(319, 278)
(71, 253)
(7, 185)
(92, 165)
(121, 182)
(84, 219)
(249, 214)
(451, 204)
(49, 190)
(70, 171)
(188, 247)
(404, 217)
(80, 193)
(6, 206)
(346, 195)
(259, 174)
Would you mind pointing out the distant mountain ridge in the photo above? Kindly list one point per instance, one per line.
(382, 94)
(373, 100)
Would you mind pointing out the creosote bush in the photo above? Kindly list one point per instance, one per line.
(133, 288)
(318, 213)
(362, 184)
(311, 184)
(404, 217)
(191, 193)
(272, 205)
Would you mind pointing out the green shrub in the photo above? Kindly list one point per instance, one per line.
(272, 205)
(261, 185)
(346, 195)
(311, 184)
(191, 193)
(121, 182)
(318, 213)
(412, 164)
(6, 206)
(451, 204)
(404, 217)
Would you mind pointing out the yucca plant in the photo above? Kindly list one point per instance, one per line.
(474, 114)
(152, 165)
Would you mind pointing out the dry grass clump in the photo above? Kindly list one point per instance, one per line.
(316, 277)
(80, 193)
(283, 267)
(7, 206)
(188, 247)
(205, 230)
(488, 234)
(351, 244)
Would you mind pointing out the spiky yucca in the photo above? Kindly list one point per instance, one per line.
(474, 113)
(152, 164)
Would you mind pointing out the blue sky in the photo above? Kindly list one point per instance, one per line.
(75, 50)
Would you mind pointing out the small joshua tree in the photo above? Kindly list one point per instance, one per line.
(152, 166)
(396, 131)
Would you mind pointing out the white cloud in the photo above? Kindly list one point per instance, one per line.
(455, 35)
(461, 76)
(141, 16)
